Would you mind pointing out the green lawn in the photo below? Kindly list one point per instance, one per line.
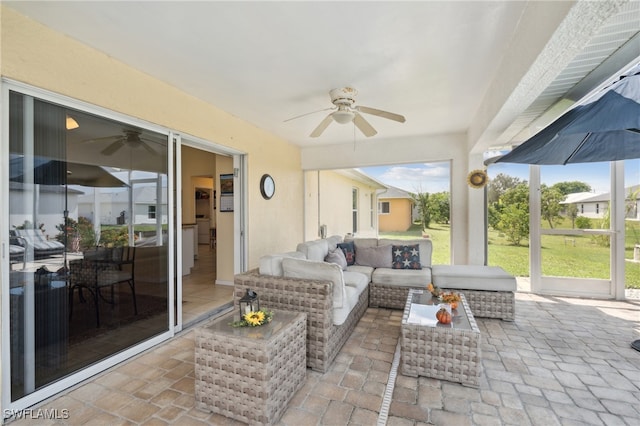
(560, 257)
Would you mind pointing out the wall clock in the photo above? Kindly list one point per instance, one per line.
(267, 187)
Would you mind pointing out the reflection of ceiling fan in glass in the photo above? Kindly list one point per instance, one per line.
(345, 112)
(128, 138)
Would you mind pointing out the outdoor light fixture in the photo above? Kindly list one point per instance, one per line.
(71, 123)
(249, 303)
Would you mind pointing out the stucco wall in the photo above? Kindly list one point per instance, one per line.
(399, 217)
(335, 205)
(37, 56)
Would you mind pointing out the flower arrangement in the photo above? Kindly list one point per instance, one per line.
(451, 298)
(254, 319)
(435, 291)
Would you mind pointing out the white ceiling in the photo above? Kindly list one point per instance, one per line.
(486, 68)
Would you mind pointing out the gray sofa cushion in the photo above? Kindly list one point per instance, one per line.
(351, 299)
(376, 257)
(355, 279)
(473, 277)
(314, 250)
(309, 269)
(414, 278)
(366, 270)
(271, 264)
(337, 256)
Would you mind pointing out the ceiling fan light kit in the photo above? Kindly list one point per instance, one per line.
(344, 112)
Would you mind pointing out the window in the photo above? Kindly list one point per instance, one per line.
(355, 209)
(384, 207)
(151, 214)
(582, 208)
(597, 208)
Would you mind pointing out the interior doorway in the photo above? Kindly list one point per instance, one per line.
(203, 293)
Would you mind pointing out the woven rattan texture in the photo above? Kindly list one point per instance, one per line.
(441, 352)
(312, 297)
(491, 304)
(387, 296)
(250, 380)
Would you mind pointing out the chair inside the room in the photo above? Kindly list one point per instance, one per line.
(102, 269)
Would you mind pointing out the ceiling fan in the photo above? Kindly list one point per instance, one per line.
(130, 138)
(344, 112)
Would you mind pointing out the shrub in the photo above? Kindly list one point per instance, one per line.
(583, 222)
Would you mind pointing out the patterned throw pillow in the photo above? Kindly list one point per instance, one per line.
(406, 257)
(349, 251)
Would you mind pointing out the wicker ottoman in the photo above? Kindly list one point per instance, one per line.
(490, 291)
(250, 373)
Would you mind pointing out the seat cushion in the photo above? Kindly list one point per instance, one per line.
(309, 269)
(355, 279)
(413, 278)
(366, 270)
(473, 277)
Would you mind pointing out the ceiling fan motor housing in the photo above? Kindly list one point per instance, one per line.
(343, 96)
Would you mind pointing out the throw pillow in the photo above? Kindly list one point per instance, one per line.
(337, 256)
(406, 257)
(349, 251)
(376, 257)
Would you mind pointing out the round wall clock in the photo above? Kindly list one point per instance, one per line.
(477, 179)
(267, 187)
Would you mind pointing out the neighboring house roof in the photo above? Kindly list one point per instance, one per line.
(359, 176)
(590, 197)
(393, 192)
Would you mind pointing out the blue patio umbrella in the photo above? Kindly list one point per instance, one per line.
(605, 129)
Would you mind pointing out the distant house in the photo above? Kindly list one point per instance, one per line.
(395, 210)
(595, 206)
(108, 207)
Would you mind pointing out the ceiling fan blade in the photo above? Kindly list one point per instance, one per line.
(111, 149)
(380, 113)
(148, 148)
(363, 125)
(322, 126)
(104, 139)
(308, 113)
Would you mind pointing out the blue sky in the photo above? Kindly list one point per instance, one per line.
(434, 177)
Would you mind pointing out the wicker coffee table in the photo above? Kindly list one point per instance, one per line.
(250, 373)
(428, 348)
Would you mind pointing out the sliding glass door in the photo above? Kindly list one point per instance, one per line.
(88, 222)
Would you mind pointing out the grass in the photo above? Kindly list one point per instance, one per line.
(574, 256)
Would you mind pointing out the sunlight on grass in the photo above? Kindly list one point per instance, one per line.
(560, 257)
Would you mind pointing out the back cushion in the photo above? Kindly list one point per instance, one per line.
(271, 264)
(333, 241)
(308, 269)
(376, 257)
(314, 250)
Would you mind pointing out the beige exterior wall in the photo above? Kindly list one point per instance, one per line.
(38, 56)
(399, 217)
(328, 201)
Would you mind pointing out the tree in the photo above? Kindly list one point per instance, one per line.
(513, 219)
(422, 202)
(439, 207)
(499, 185)
(572, 213)
(572, 187)
(550, 204)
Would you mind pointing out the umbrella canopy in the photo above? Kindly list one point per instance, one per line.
(606, 129)
(57, 172)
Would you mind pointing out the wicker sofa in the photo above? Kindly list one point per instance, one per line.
(335, 298)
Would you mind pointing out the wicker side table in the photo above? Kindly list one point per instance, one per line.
(250, 373)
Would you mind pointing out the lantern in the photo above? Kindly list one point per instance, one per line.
(249, 303)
